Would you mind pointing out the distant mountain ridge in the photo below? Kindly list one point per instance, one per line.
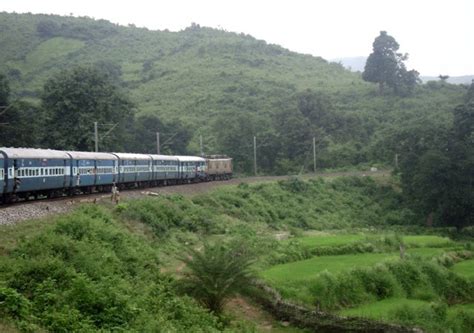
(357, 64)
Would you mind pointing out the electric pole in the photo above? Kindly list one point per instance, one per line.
(255, 154)
(314, 153)
(158, 143)
(200, 145)
(96, 137)
(396, 161)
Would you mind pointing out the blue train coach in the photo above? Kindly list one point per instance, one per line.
(191, 168)
(2, 176)
(93, 171)
(165, 169)
(134, 169)
(35, 172)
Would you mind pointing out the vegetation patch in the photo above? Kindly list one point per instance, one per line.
(427, 241)
(465, 268)
(434, 317)
(310, 268)
(87, 274)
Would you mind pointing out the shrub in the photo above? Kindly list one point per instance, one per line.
(216, 272)
(13, 304)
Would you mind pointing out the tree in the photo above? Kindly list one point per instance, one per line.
(216, 273)
(443, 78)
(75, 99)
(20, 122)
(174, 136)
(385, 66)
(470, 93)
(4, 92)
(437, 169)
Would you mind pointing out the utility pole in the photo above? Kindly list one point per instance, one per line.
(255, 154)
(200, 145)
(158, 143)
(314, 153)
(396, 161)
(96, 137)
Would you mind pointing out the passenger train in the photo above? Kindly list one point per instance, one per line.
(29, 173)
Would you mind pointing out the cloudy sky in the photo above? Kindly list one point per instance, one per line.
(437, 34)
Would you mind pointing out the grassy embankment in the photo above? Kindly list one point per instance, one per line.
(106, 268)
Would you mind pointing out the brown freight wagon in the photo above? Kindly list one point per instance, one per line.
(219, 167)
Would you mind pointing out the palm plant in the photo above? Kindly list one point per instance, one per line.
(216, 272)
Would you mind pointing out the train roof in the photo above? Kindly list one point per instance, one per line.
(190, 159)
(164, 158)
(131, 156)
(84, 155)
(34, 153)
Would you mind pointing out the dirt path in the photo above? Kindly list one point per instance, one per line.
(244, 309)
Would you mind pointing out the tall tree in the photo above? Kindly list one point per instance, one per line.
(4, 91)
(20, 122)
(75, 99)
(385, 66)
(438, 169)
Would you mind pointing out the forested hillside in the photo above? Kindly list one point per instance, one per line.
(224, 86)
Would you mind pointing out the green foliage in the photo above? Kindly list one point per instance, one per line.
(224, 86)
(13, 304)
(436, 170)
(176, 134)
(166, 213)
(294, 203)
(87, 273)
(412, 279)
(4, 91)
(20, 122)
(385, 66)
(75, 99)
(431, 316)
(216, 272)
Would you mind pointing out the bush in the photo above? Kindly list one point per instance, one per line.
(87, 273)
(427, 281)
(13, 304)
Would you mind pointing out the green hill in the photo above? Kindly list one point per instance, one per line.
(225, 86)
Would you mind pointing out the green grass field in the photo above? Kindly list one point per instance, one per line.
(327, 240)
(307, 269)
(426, 252)
(465, 268)
(382, 309)
(427, 241)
